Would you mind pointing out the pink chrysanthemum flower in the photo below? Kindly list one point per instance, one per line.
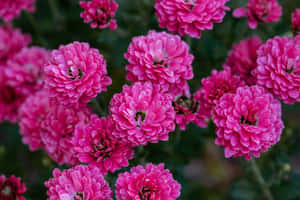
(11, 188)
(31, 115)
(10, 9)
(152, 183)
(187, 108)
(78, 183)
(99, 13)
(248, 122)
(76, 73)
(214, 87)
(11, 41)
(260, 11)
(160, 58)
(296, 22)
(142, 114)
(242, 59)
(58, 131)
(189, 16)
(94, 144)
(278, 68)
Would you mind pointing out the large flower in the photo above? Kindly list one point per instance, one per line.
(78, 183)
(142, 114)
(242, 59)
(99, 13)
(76, 74)
(189, 16)
(260, 10)
(10, 9)
(95, 144)
(278, 68)
(152, 183)
(160, 58)
(248, 122)
(11, 188)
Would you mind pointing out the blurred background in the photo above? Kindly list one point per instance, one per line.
(196, 162)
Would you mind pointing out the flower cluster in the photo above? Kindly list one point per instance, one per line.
(296, 22)
(190, 16)
(99, 13)
(11, 188)
(10, 9)
(260, 11)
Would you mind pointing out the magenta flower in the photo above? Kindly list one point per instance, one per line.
(248, 122)
(58, 131)
(99, 13)
(296, 22)
(11, 41)
(189, 16)
(160, 58)
(260, 11)
(278, 68)
(152, 182)
(214, 87)
(187, 108)
(10, 9)
(11, 188)
(242, 59)
(31, 115)
(94, 144)
(142, 114)
(79, 183)
(76, 73)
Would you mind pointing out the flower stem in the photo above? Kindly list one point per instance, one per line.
(258, 176)
(97, 106)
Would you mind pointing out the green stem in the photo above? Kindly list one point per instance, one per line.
(259, 178)
(54, 10)
(36, 29)
(97, 107)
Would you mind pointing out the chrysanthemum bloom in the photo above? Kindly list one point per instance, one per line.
(187, 108)
(248, 122)
(10, 9)
(94, 144)
(31, 114)
(11, 41)
(214, 87)
(278, 68)
(79, 183)
(260, 11)
(76, 74)
(99, 13)
(152, 183)
(142, 114)
(242, 59)
(160, 58)
(58, 131)
(189, 16)
(11, 188)
(296, 22)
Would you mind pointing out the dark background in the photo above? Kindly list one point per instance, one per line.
(196, 162)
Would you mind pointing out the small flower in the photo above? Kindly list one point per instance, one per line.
(161, 58)
(150, 183)
(11, 188)
(260, 11)
(78, 183)
(248, 122)
(10, 9)
(296, 22)
(278, 68)
(76, 73)
(94, 144)
(189, 16)
(99, 13)
(142, 114)
(242, 59)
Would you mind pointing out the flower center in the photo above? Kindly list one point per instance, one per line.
(159, 58)
(184, 104)
(6, 191)
(140, 118)
(78, 196)
(8, 95)
(102, 150)
(145, 193)
(250, 119)
(74, 72)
